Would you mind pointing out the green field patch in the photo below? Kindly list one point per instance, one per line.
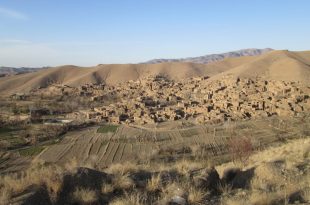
(7, 131)
(11, 135)
(15, 141)
(107, 129)
(31, 151)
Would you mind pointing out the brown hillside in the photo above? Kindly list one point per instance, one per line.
(111, 74)
(275, 65)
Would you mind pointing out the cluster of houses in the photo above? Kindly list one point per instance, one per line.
(157, 99)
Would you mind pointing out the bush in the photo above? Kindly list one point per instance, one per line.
(84, 196)
(240, 149)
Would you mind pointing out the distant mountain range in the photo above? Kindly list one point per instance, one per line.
(214, 57)
(6, 71)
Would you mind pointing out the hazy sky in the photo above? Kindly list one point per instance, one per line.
(80, 32)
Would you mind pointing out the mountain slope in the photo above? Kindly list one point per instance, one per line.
(111, 74)
(215, 57)
(275, 65)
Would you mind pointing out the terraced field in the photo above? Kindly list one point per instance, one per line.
(132, 143)
(11, 162)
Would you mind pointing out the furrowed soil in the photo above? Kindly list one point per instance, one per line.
(132, 143)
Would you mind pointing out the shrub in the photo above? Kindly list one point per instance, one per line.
(5, 195)
(195, 196)
(240, 149)
(122, 181)
(129, 199)
(84, 196)
(106, 188)
(154, 184)
(122, 169)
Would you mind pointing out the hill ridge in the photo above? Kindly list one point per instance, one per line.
(274, 65)
(211, 58)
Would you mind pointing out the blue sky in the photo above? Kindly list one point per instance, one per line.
(56, 32)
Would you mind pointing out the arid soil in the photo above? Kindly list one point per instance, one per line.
(142, 143)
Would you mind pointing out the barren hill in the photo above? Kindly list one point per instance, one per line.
(111, 74)
(275, 65)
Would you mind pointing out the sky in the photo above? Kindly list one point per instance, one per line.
(35, 33)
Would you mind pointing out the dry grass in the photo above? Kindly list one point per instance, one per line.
(84, 196)
(5, 196)
(54, 186)
(278, 172)
(306, 193)
(46, 175)
(185, 190)
(107, 188)
(172, 189)
(121, 172)
(72, 165)
(186, 166)
(196, 196)
(225, 189)
(37, 174)
(263, 198)
(122, 181)
(233, 201)
(267, 177)
(159, 167)
(129, 199)
(121, 169)
(154, 184)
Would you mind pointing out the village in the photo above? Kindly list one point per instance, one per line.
(157, 99)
